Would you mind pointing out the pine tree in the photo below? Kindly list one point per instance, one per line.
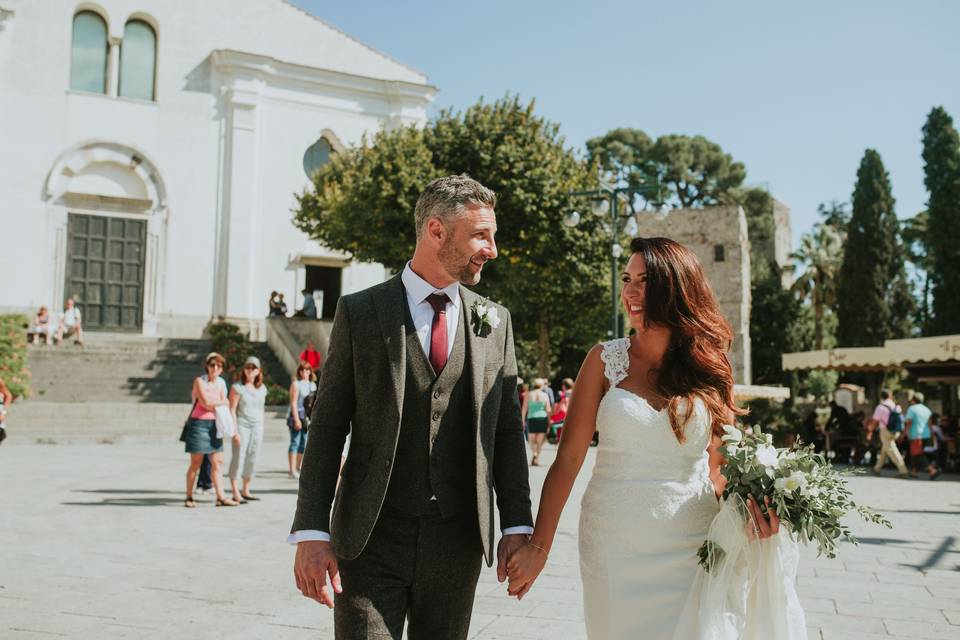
(871, 262)
(941, 154)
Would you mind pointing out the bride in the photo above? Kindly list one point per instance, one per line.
(659, 399)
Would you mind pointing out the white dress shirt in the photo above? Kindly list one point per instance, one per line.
(418, 290)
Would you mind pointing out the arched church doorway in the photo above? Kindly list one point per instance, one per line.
(109, 210)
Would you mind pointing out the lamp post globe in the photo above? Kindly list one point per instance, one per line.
(571, 219)
(601, 207)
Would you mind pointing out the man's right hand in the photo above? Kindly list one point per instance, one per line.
(314, 564)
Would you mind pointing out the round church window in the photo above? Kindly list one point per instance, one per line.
(317, 155)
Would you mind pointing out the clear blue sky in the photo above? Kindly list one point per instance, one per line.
(796, 91)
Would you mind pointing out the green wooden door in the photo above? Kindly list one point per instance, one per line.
(105, 260)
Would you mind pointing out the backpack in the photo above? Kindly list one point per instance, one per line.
(895, 421)
(308, 405)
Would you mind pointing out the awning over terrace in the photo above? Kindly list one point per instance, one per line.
(931, 359)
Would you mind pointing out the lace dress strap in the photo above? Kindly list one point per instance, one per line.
(616, 360)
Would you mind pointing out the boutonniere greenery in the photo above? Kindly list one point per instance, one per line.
(483, 318)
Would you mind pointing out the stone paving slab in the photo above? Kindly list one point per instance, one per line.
(96, 544)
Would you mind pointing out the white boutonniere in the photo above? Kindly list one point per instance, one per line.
(483, 318)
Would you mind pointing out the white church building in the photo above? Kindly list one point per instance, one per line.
(151, 150)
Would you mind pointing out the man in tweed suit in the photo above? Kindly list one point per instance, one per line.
(425, 382)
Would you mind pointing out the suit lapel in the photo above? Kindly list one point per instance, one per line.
(391, 311)
(476, 355)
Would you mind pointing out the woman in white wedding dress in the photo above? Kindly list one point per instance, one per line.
(659, 400)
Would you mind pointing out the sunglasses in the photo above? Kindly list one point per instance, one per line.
(250, 367)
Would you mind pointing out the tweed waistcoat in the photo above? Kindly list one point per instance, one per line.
(435, 450)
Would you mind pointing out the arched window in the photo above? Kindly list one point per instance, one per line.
(88, 55)
(138, 60)
(317, 155)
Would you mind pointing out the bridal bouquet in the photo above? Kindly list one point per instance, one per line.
(809, 496)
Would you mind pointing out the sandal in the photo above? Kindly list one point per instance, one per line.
(226, 502)
(249, 498)
(190, 503)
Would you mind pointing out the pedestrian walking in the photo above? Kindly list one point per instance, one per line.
(209, 392)
(917, 423)
(536, 410)
(303, 385)
(247, 398)
(888, 418)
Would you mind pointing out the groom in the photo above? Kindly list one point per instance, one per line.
(426, 384)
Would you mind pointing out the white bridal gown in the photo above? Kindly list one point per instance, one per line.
(646, 511)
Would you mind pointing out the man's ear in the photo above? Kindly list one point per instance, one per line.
(436, 231)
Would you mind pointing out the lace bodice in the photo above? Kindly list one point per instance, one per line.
(640, 463)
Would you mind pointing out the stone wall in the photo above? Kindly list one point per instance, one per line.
(718, 236)
(783, 241)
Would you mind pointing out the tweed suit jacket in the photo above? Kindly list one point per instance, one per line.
(361, 391)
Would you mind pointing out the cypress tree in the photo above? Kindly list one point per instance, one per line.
(871, 263)
(941, 155)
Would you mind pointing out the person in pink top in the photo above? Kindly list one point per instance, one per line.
(209, 392)
(888, 419)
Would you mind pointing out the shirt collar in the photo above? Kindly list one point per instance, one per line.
(419, 289)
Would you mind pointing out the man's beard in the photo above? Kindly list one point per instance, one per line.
(457, 264)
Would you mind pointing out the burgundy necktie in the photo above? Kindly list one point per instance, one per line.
(438, 331)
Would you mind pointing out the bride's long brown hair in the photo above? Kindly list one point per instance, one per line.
(678, 296)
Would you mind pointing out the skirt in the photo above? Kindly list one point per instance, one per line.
(202, 437)
(536, 425)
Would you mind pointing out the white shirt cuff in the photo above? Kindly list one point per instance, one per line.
(307, 535)
(510, 531)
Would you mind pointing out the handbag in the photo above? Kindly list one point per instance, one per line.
(186, 425)
(916, 448)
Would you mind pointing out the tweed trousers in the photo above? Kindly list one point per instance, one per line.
(424, 568)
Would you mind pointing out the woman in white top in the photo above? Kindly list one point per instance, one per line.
(247, 398)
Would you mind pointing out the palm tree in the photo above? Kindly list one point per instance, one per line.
(821, 253)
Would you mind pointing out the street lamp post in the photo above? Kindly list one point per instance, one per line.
(605, 201)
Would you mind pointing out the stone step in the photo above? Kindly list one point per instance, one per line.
(111, 422)
(126, 369)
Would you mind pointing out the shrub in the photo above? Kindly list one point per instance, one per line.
(13, 353)
(233, 345)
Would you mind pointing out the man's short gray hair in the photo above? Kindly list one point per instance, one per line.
(448, 198)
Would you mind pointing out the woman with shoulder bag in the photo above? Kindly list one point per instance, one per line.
(302, 386)
(209, 392)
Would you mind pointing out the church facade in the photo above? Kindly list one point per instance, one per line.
(152, 150)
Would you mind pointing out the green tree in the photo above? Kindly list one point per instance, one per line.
(870, 307)
(552, 278)
(780, 328)
(692, 170)
(820, 255)
(836, 215)
(914, 234)
(941, 155)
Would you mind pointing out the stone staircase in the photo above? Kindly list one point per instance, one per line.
(118, 388)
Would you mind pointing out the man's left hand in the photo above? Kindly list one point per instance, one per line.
(507, 547)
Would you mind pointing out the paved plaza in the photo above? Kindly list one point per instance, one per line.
(96, 544)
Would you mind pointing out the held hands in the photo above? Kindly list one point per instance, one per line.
(315, 561)
(523, 569)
